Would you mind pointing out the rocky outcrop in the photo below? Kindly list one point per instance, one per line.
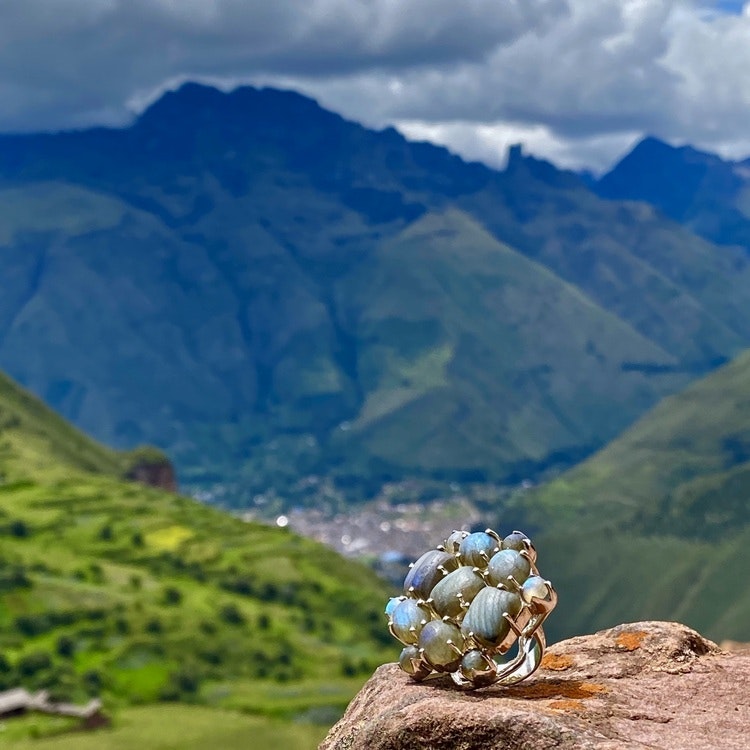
(641, 685)
(150, 466)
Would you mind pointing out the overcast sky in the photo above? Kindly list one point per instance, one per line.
(577, 81)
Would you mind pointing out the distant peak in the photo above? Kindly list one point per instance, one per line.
(651, 142)
(651, 147)
(193, 97)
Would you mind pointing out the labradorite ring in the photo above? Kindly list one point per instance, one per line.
(466, 603)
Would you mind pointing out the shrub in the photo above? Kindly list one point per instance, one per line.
(33, 662)
(231, 614)
(154, 626)
(65, 646)
(97, 573)
(13, 577)
(19, 529)
(348, 668)
(209, 628)
(172, 596)
(106, 533)
(122, 626)
(184, 683)
(93, 681)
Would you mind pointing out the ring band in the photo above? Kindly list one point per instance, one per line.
(468, 602)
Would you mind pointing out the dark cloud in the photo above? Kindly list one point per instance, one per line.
(65, 62)
(576, 79)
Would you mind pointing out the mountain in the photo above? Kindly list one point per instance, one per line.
(657, 524)
(706, 193)
(269, 292)
(140, 596)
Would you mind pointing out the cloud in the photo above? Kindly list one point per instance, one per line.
(66, 62)
(576, 80)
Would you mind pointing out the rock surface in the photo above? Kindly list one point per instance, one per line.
(640, 685)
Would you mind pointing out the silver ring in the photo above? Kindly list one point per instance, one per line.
(466, 604)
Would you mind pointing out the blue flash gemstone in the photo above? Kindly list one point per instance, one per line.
(478, 548)
(426, 572)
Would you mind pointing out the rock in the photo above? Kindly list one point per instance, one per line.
(641, 685)
(150, 466)
(735, 647)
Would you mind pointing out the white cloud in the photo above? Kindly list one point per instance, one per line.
(576, 80)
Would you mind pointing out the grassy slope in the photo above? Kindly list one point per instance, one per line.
(664, 514)
(511, 340)
(141, 596)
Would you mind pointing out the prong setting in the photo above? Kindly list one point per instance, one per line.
(466, 625)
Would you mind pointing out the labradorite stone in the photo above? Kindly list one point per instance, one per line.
(393, 602)
(474, 660)
(426, 572)
(476, 546)
(453, 542)
(534, 587)
(444, 596)
(485, 615)
(434, 639)
(515, 541)
(477, 667)
(508, 562)
(407, 615)
(410, 660)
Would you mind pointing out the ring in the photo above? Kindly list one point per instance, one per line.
(468, 602)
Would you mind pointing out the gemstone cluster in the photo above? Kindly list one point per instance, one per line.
(467, 602)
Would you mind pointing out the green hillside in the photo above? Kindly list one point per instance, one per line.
(268, 302)
(529, 330)
(142, 597)
(658, 523)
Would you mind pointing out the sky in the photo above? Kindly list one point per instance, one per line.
(575, 81)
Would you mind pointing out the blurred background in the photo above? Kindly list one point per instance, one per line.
(292, 290)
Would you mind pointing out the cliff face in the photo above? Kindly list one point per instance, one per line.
(641, 685)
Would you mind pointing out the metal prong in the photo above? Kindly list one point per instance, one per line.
(513, 625)
(454, 648)
(514, 583)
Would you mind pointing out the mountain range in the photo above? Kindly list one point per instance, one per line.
(269, 291)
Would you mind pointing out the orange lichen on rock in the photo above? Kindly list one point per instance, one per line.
(630, 641)
(556, 662)
(572, 689)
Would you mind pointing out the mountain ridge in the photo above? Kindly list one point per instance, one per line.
(701, 190)
(223, 245)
